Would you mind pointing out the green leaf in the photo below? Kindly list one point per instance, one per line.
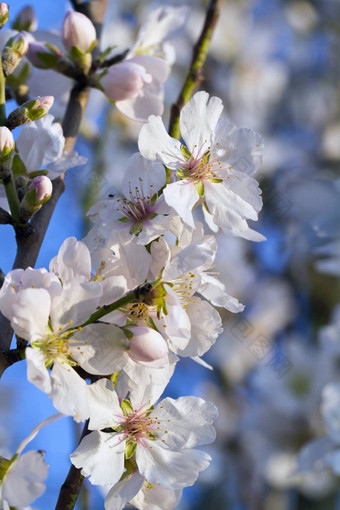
(18, 166)
(76, 53)
(37, 173)
(91, 47)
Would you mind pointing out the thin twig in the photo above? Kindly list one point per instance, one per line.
(70, 489)
(195, 74)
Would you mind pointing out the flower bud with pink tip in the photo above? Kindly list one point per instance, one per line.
(6, 151)
(15, 48)
(43, 187)
(124, 81)
(32, 110)
(39, 191)
(79, 39)
(6, 142)
(148, 347)
(3, 14)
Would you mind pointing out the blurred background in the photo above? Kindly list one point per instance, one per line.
(275, 64)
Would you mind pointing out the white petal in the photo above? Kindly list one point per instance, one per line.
(156, 67)
(190, 258)
(156, 497)
(198, 120)
(24, 481)
(155, 144)
(69, 393)
(141, 107)
(182, 196)
(187, 420)
(123, 492)
(149, 178)
(110, 346)
(73, 260)
(65, 162)
(37, 372)
(40, 143)
(173, 470)
(240, 148)
(101, 457)
(78, 300)
(214, 291)
(206, 326)
(105, 410)
(30, 313)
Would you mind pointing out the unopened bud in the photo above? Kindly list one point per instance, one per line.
(43, 187)
(39, 191)
(6, 151)
(15, 48)
(3, 14)
(26, 20)
(79, 35)
(43, 55)
(30, 111)
(148, 347)
(124, 81)
(6, 142)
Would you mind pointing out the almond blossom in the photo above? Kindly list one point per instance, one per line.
(136, 207)
(214, 167)
(26, 471)
(158, 441)
(41, 144)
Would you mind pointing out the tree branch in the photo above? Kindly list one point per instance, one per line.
(195, 74)
(70, 489)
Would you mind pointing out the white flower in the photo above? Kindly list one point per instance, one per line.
(141, 494)
(136, 207)
(213, 168)
(41, 144)
(161, 24)
(22, 477)
(48, 315)
(158, 440)
(148, 99)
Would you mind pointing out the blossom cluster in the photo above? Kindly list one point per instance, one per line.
(104, 327)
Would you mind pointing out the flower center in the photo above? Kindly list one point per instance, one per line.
(203, 168)
(137, 206)
(184, 288)
(56, 347)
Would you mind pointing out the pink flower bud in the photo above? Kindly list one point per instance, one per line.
(45, 103)
(6, 140)
(124, 81)
(26, 20)
(148, 347)
(43, 186)
(21, 43)
(78, 31)
(3, 14)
